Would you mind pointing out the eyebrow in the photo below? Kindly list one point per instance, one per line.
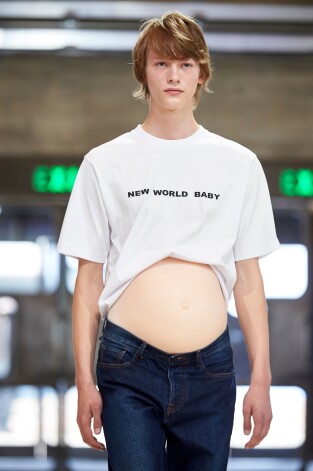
(166, 58)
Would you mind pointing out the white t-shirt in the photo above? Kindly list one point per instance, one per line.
(138, 199)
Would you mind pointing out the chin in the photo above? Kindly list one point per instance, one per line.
(173, 107)
(176, 104)
(172, 104)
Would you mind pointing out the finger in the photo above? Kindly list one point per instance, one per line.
(89, 439)
(246, 421)
(256, 436)
(97, 427)
(264, 432)
(97, 424)
(265, 429)
(93, 442)
(85, 431)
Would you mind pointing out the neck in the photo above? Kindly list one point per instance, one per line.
(170, 124)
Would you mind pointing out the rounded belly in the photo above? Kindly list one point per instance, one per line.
(174, 305)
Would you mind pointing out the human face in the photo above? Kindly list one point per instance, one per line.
(172, 83)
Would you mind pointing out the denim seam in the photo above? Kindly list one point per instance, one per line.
(119, 357)
(216, 375)
(118, 365)
(121, 343)
(220, 347)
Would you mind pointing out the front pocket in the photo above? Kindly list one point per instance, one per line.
(111, 354)
(218, 363)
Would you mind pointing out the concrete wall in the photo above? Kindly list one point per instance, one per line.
(64, 106)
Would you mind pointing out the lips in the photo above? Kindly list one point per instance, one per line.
(173, 90)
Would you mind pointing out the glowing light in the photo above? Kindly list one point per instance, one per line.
(284, 273)
(288, 427)
(54, 179)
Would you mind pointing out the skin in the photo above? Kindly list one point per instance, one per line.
(171, 116)
(85, 326)
(252, 314)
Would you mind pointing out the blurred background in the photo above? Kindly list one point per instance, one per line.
(65, 87)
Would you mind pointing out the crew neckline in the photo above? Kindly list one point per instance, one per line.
(143, 135)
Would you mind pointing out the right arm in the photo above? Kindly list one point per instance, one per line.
(85, 327)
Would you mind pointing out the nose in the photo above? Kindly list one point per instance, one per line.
(173, 75)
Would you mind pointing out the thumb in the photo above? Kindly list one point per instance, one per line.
(246, 422)
(97, 425)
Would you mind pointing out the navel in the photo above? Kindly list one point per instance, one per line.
(185, 305)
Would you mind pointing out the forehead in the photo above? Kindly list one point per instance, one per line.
(153, 55)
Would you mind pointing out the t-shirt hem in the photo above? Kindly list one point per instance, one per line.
(78, 255)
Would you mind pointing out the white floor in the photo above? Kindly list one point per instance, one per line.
(82, 464)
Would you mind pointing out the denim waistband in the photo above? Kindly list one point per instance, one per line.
(123, 336)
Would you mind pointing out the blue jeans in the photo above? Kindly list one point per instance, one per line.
(163, 411)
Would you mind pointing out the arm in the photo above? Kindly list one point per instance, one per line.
(85, 324)
(251, 308)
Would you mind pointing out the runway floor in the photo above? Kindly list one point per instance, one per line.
(82, 464)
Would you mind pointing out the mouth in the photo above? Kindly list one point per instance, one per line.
(174, 91)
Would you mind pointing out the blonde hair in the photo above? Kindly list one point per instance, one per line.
(174, 36)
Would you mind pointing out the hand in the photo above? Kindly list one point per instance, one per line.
(89, 405)
(257, 404)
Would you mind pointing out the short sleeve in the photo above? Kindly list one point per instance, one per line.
(85, 231)
(256, 235)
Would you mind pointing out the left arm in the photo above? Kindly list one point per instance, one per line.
(251, 308)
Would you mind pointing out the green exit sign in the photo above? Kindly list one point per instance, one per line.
(54, 178)
(296, 182)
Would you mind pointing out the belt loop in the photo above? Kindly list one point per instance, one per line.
(104, 324)
(141, 349)
(198, 358)
(102, 330)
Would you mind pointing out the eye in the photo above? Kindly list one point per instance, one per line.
(160, 64)
(187, 65)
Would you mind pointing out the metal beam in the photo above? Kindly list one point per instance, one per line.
(212, 12)
(123, 41)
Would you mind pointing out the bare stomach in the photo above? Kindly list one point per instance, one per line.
(174, 305)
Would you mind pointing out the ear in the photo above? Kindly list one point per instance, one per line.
(201, 79)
